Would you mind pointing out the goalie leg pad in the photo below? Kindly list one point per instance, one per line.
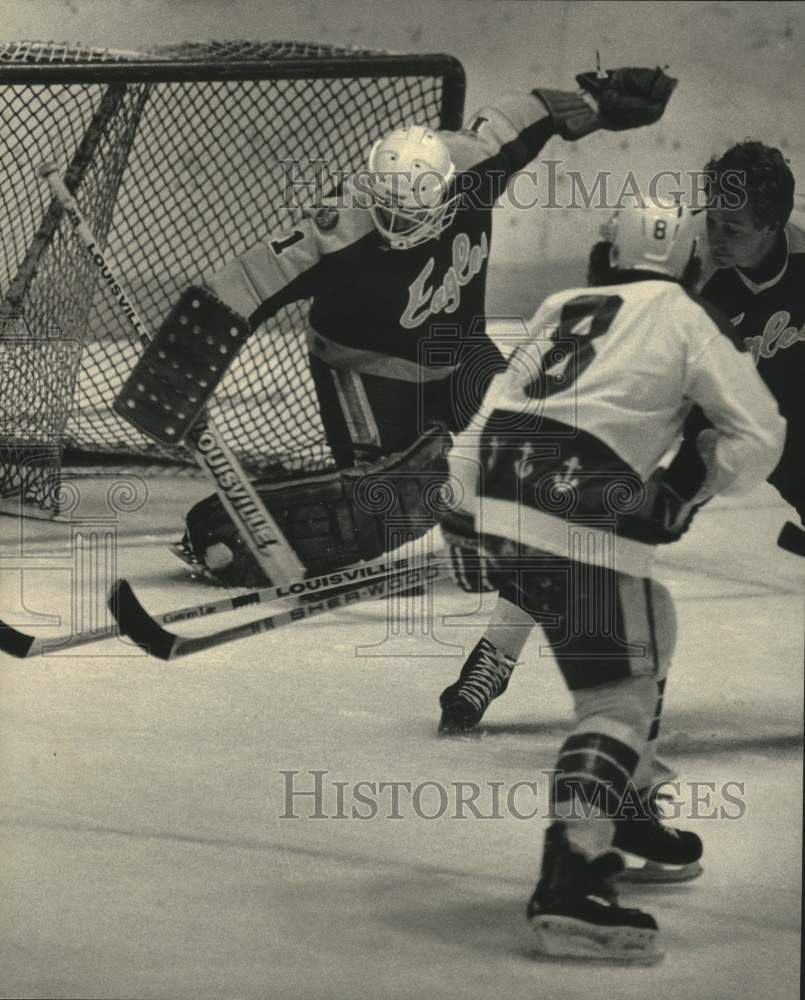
(181, 368)
(335, 519)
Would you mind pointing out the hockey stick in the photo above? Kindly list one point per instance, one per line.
(135, 622)
(43, 236)
(24, 646)
(271, 551)
(20, 644)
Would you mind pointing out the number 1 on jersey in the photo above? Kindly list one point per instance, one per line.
(278, 246)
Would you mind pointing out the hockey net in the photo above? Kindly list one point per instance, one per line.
(180, 158)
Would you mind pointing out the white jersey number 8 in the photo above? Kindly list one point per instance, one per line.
(581, 322)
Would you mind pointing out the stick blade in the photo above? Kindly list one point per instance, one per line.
(135, 622)
(13, 642)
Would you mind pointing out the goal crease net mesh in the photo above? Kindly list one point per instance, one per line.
(178, 158)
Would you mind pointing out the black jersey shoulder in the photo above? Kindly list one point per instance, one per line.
(716, 314)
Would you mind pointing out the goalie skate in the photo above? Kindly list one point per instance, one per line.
(182, 550)
(198, 571)
(574, 912)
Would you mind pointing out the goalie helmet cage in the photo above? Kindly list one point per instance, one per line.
(180, 158)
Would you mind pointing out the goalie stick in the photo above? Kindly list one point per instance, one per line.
(111, 101)
(273, 554)
(24, 646)
(134, 621)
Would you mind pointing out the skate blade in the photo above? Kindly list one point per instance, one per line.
(564, 937)
(198, 570)
(183, 553)
(654, 873)
(459, 734)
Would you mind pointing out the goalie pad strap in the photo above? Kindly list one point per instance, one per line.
(171, 383)
(572, 116)
(339, 518)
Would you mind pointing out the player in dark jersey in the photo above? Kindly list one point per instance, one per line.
(755, 274)
(561, 473)
(395, 265)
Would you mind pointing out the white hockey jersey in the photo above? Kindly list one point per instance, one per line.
(592, 400)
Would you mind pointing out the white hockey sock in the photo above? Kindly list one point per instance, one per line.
(645, 774)
(509, 628)
(590, 836)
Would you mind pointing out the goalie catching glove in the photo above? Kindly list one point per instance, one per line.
(621, 99)
(330, 520)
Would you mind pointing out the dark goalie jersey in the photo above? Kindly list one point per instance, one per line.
(413, 316)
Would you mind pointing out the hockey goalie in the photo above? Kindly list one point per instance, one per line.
(395, 263)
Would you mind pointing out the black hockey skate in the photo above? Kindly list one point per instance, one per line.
(574, 911)
(184, 551)
(483, 677)
(669, 855)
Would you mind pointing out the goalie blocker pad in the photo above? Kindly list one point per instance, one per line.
(332, 520)
(171, 383)
(572, 116)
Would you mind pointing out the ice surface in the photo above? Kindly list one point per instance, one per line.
(144, 848)
(141, 844)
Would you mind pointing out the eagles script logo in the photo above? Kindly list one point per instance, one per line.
(778, 333)
(424, 301)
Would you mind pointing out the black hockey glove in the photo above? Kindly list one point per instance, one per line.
(663, 518)
(629, 98)
(792, 538)
(687, 470)
(622, 99)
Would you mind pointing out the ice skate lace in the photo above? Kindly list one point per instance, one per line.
(487, 676)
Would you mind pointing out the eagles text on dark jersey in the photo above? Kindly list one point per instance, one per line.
(768, 319)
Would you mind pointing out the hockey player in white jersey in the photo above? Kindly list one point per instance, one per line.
(561, 474)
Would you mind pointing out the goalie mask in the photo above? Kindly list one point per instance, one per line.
(649, 237)
(410, 174)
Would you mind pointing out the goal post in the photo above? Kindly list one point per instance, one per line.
(179, 158)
